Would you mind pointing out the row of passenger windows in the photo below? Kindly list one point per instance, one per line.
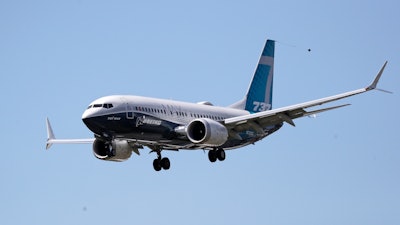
(145, 109)
(183, 114)
(105, 105)
(163, 111)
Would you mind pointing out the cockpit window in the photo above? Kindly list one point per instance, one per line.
(107, 105)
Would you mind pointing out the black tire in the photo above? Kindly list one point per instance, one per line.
(221, 154)
(157, 165)
(165, 163)
(212, 155)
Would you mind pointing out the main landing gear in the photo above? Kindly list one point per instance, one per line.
(215, 154)
(161, 163)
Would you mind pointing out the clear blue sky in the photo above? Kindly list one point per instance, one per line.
(339, 168)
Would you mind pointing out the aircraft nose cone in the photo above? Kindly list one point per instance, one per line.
(90, 120)
(86, 115)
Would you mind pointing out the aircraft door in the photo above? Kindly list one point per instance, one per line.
(129, 111)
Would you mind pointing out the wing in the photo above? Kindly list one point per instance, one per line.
(51, 139)
(134, 143)
(287, 114)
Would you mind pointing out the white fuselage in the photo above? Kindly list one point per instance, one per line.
(156, 120)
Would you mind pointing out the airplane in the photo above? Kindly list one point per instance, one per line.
(123, 124)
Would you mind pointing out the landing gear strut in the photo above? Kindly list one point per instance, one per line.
(215, 154)
(161, 163)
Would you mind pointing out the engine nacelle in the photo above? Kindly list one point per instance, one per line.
(207, 132)
(116, 150)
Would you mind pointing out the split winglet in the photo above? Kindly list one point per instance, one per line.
(378, 76)
(50, 134)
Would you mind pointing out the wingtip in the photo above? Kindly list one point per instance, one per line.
(378, 76)
(48, 145)
(50, 134)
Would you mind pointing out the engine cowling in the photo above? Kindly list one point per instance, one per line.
(116, 150)
(207, 132)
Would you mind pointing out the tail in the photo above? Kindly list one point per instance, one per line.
(259, 94)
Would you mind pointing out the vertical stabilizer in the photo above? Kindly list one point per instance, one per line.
(259, 94)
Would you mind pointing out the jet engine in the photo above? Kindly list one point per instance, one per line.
(207, 132)
(116, 150)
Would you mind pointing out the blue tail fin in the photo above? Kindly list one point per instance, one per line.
(259, 95)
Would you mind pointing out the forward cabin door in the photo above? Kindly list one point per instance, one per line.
(128, 109)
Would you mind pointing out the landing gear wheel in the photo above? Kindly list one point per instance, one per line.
(161, 163)
(221, 154)
(157, 164)
(212, 155)
(165, 163)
